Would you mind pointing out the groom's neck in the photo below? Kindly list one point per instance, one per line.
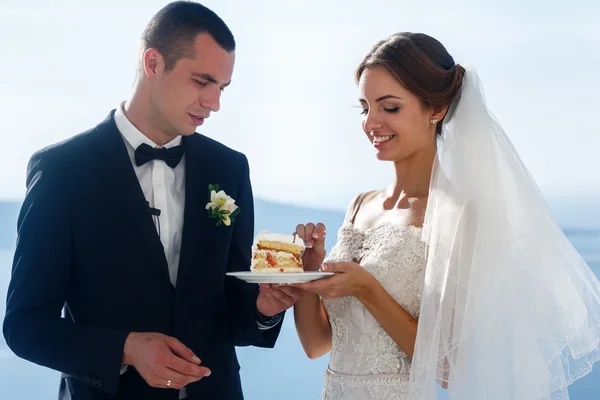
(138, 111)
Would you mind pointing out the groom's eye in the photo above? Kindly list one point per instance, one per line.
(200, 82)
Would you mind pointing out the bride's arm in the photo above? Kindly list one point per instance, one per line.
(350, 279)
(394, 319)
(312, 325)
(310, 315)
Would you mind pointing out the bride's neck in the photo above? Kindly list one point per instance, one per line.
(413, 175)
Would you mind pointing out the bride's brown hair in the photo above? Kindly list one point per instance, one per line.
(421, 64)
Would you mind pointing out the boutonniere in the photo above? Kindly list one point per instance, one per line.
(221, 206)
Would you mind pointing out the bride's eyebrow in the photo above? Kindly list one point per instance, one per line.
(387, 96)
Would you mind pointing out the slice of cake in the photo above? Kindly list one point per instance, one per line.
(276, 253)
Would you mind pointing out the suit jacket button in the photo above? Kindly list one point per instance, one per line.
(87, 379)
(99, 383)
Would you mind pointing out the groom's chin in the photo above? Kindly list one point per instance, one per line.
(189, 130)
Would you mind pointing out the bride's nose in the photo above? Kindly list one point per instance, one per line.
(371, 122)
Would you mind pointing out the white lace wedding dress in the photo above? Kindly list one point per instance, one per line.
(366, 363)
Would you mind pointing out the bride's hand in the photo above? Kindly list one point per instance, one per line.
(314, 239)
(350, 279)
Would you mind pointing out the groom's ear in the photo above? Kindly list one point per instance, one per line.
(153, 63)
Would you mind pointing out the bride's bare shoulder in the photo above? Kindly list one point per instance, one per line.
(361, 199)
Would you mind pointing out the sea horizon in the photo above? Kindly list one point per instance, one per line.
(285, 370)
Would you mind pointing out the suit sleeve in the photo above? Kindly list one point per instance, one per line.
(241, 296)
(39, 288)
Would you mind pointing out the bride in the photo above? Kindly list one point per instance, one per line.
(456, 276)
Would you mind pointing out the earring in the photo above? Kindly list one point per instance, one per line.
(434, 121)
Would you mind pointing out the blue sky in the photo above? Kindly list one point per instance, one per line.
(290, 107)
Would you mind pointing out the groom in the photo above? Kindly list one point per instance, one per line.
(114, 232)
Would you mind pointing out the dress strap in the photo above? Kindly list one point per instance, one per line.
(361, 197)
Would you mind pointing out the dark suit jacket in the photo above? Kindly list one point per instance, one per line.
(88, 246)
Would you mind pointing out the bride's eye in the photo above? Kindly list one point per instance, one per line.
(364, 111)
(391, 110)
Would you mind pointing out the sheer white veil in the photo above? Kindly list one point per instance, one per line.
(509, 309)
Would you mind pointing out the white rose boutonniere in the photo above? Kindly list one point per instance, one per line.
(221, 206)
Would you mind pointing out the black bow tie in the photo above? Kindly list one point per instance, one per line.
(145, 153)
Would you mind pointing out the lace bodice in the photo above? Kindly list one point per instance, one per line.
(395, 256)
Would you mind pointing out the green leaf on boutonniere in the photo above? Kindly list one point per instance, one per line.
(212, 187)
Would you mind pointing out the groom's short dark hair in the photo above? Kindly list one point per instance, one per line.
(174, 28)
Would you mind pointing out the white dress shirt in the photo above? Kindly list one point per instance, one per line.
(164, 189)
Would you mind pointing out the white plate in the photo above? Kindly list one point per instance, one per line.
(289, 277)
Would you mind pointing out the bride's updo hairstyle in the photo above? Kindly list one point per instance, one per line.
(421, 64)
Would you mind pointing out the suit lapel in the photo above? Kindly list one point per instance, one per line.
(116, 173)
(196, 192)
(204, 246)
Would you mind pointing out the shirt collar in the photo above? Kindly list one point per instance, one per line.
(133, 135)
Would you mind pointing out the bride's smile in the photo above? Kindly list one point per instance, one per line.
(380, 141)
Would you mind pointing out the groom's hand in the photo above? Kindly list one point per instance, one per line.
(163, 361)
(273, 299)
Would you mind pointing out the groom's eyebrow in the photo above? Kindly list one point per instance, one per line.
(209, 78)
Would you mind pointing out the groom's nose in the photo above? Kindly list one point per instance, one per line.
(211, 100)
